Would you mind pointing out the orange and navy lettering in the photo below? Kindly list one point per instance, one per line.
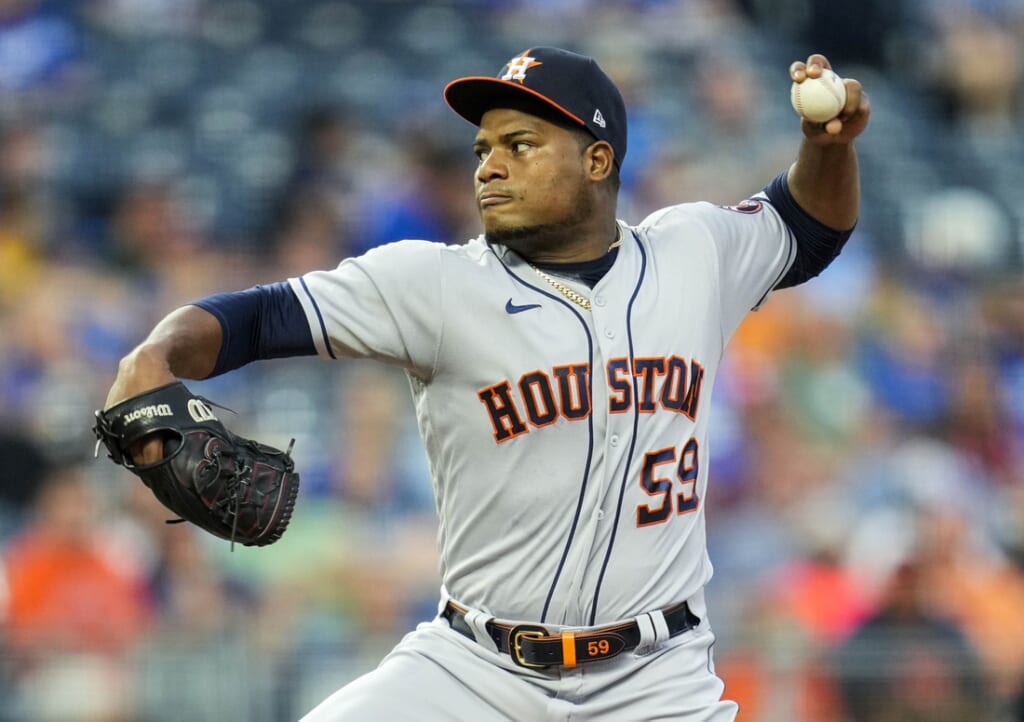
(656, 484)
(680, 385)
(539, 398)
(687, 472)
(672, 384)
(574, 390)
(647, 371)
(618, 381)
(679, 393)
(502, 410)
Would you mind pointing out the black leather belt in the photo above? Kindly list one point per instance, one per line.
(531, 645)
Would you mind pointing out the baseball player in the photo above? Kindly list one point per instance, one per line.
(561, 366)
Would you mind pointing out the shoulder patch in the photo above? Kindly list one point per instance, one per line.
(747, 206)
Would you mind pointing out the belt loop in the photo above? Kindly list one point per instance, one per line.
(477, 621)
(569, 649)
(443, 603)
(661, 632)
(648, 635)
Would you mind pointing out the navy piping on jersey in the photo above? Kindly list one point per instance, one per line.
(590, 427)
(319, 317)
(636, 423)
(793, 250)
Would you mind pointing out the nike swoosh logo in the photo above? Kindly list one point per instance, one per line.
(512, 308)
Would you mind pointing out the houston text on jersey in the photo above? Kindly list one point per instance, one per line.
(539, 398)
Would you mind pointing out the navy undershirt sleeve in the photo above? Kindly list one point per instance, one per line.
(262, 322)
(817, 244)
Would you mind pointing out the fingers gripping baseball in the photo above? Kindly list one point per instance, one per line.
(830, 115)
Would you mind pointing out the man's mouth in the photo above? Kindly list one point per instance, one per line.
(493, 199)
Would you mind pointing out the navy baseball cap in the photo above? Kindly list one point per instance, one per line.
(572, 85)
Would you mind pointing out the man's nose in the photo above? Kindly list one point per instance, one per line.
(491, 167)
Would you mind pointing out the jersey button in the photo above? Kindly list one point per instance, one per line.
(609, 333)
(614, 440)
(599, 300)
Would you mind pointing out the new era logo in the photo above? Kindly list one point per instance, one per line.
(599, 119)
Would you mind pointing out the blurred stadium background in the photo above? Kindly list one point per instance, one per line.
(867, 505)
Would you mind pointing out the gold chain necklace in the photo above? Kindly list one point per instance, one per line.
(578, 298)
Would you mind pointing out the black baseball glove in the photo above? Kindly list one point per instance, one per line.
(232, 487)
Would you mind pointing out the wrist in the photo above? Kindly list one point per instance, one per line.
(145, 367)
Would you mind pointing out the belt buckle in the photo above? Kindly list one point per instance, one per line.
(515, 649)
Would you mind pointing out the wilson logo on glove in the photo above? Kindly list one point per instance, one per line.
(199, 411)
(148, 412)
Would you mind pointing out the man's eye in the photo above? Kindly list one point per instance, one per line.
(520, 146)
(480, 153)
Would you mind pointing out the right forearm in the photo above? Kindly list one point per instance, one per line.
(185, 344)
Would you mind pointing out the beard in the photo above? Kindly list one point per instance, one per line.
(528, 241)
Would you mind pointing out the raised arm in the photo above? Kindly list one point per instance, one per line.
(825, 180)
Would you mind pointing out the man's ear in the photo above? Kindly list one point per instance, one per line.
(600, 159)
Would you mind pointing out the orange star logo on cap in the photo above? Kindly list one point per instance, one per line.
(517, 67)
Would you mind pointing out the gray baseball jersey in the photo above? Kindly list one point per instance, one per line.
(568, 446)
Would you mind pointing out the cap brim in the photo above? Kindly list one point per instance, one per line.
(472, 97)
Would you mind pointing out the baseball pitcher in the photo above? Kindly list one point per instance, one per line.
(561, 366)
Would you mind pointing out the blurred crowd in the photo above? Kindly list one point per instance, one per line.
(866, 509)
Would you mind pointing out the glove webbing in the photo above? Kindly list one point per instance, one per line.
(234, 484)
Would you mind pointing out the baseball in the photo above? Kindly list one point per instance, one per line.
(819, 99)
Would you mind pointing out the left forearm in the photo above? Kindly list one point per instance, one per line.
(825, 182)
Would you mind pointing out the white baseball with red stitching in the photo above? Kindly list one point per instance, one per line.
(819, 99)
